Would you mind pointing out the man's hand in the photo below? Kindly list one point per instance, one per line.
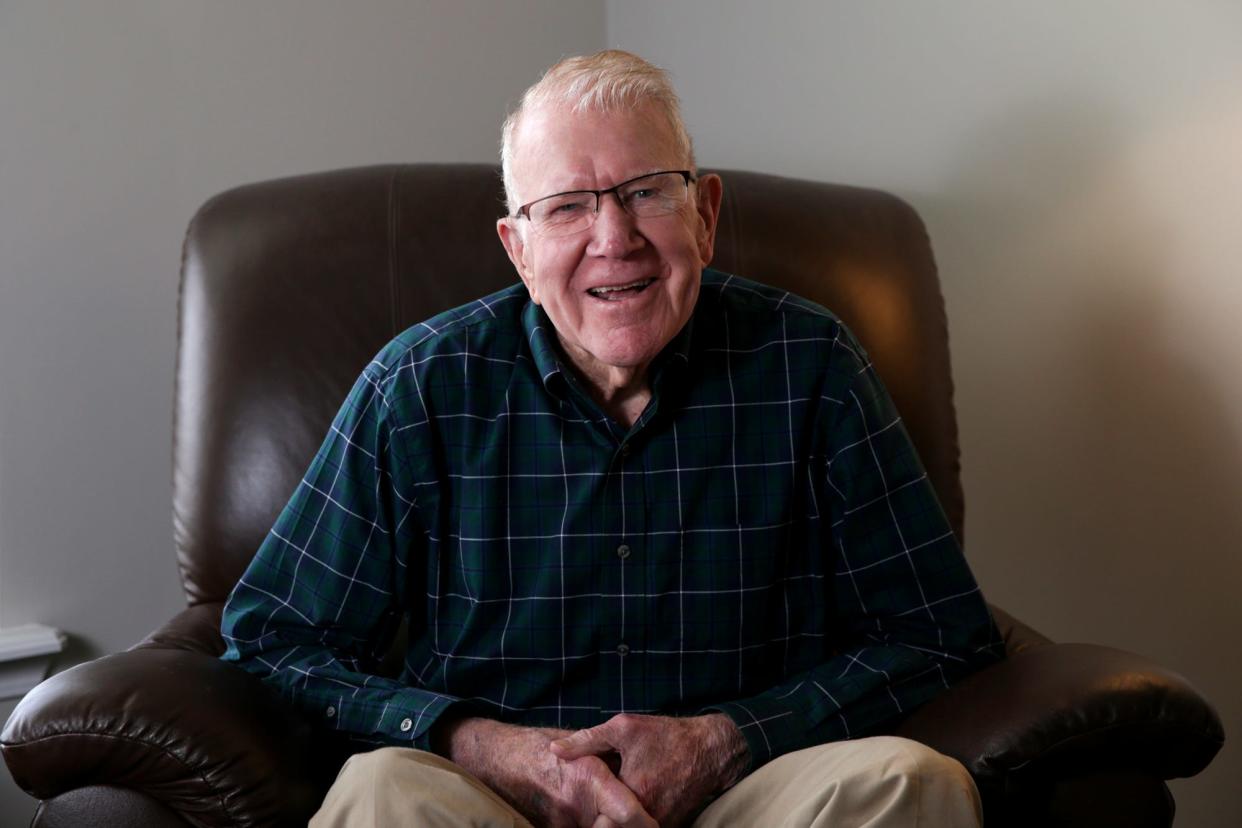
(673, 765)
(516, 763)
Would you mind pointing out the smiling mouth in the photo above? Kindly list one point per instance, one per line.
(615, 292)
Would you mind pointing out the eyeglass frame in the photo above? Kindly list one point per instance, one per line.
(687, 175)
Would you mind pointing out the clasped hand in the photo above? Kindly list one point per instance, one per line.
(632, 771)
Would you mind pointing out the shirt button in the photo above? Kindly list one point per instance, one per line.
(406, 724)
(331, 711)
(623, 649)
(623, 551)
(625, 449)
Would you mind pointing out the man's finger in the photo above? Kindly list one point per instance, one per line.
(603, 821)
(619, 804)
(589, 742)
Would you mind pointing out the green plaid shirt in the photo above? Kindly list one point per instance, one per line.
(762, 542)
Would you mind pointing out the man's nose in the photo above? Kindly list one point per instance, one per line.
(614, 232)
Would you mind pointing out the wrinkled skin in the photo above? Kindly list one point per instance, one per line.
(630, 771)
(673, 765)
(610, 343)
(517, 763)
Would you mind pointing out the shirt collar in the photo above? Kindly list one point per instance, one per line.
(545, 350)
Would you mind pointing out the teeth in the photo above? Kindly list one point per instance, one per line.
(601, 291)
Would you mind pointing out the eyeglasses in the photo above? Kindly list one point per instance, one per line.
(653, 194)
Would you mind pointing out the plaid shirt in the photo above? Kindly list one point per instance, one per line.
(762, 542)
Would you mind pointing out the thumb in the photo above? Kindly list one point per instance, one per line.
(589, 742)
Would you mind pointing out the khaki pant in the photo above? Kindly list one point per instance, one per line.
(881, 781)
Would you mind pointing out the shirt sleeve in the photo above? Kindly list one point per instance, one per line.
(319, 601)
(910, 618)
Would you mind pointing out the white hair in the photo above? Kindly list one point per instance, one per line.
(607, 81)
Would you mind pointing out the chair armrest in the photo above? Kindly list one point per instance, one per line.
(1052, 710)
(204, 737)
(1017, 635)
(195, 628)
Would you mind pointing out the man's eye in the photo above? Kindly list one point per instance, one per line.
(565, 208)
(645, 193)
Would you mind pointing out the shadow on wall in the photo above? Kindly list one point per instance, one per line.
(1102, 451)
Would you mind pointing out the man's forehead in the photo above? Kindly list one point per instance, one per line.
(559, 142)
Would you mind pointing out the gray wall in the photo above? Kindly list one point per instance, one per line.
(1077, 165)
(116, 121)
(1080, 169)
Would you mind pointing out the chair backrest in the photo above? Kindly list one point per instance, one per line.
(289, 287)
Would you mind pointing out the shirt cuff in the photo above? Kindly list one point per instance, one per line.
(406, 719)
(758, 729)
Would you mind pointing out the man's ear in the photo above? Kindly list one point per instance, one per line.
(710, 191)
(511, 237)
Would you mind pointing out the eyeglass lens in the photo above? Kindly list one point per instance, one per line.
(658, 194)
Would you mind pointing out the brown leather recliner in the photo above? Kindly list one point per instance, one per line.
(289, 287)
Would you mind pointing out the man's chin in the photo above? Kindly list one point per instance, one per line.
(614, 357)
(630, 355)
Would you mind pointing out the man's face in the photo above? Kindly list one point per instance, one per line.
(662, 256)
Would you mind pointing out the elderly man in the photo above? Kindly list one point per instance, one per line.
(666, 552)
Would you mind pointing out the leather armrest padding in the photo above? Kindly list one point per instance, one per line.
(196, 628)
(1017, 635)
(204, 737)
(1049, 711)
